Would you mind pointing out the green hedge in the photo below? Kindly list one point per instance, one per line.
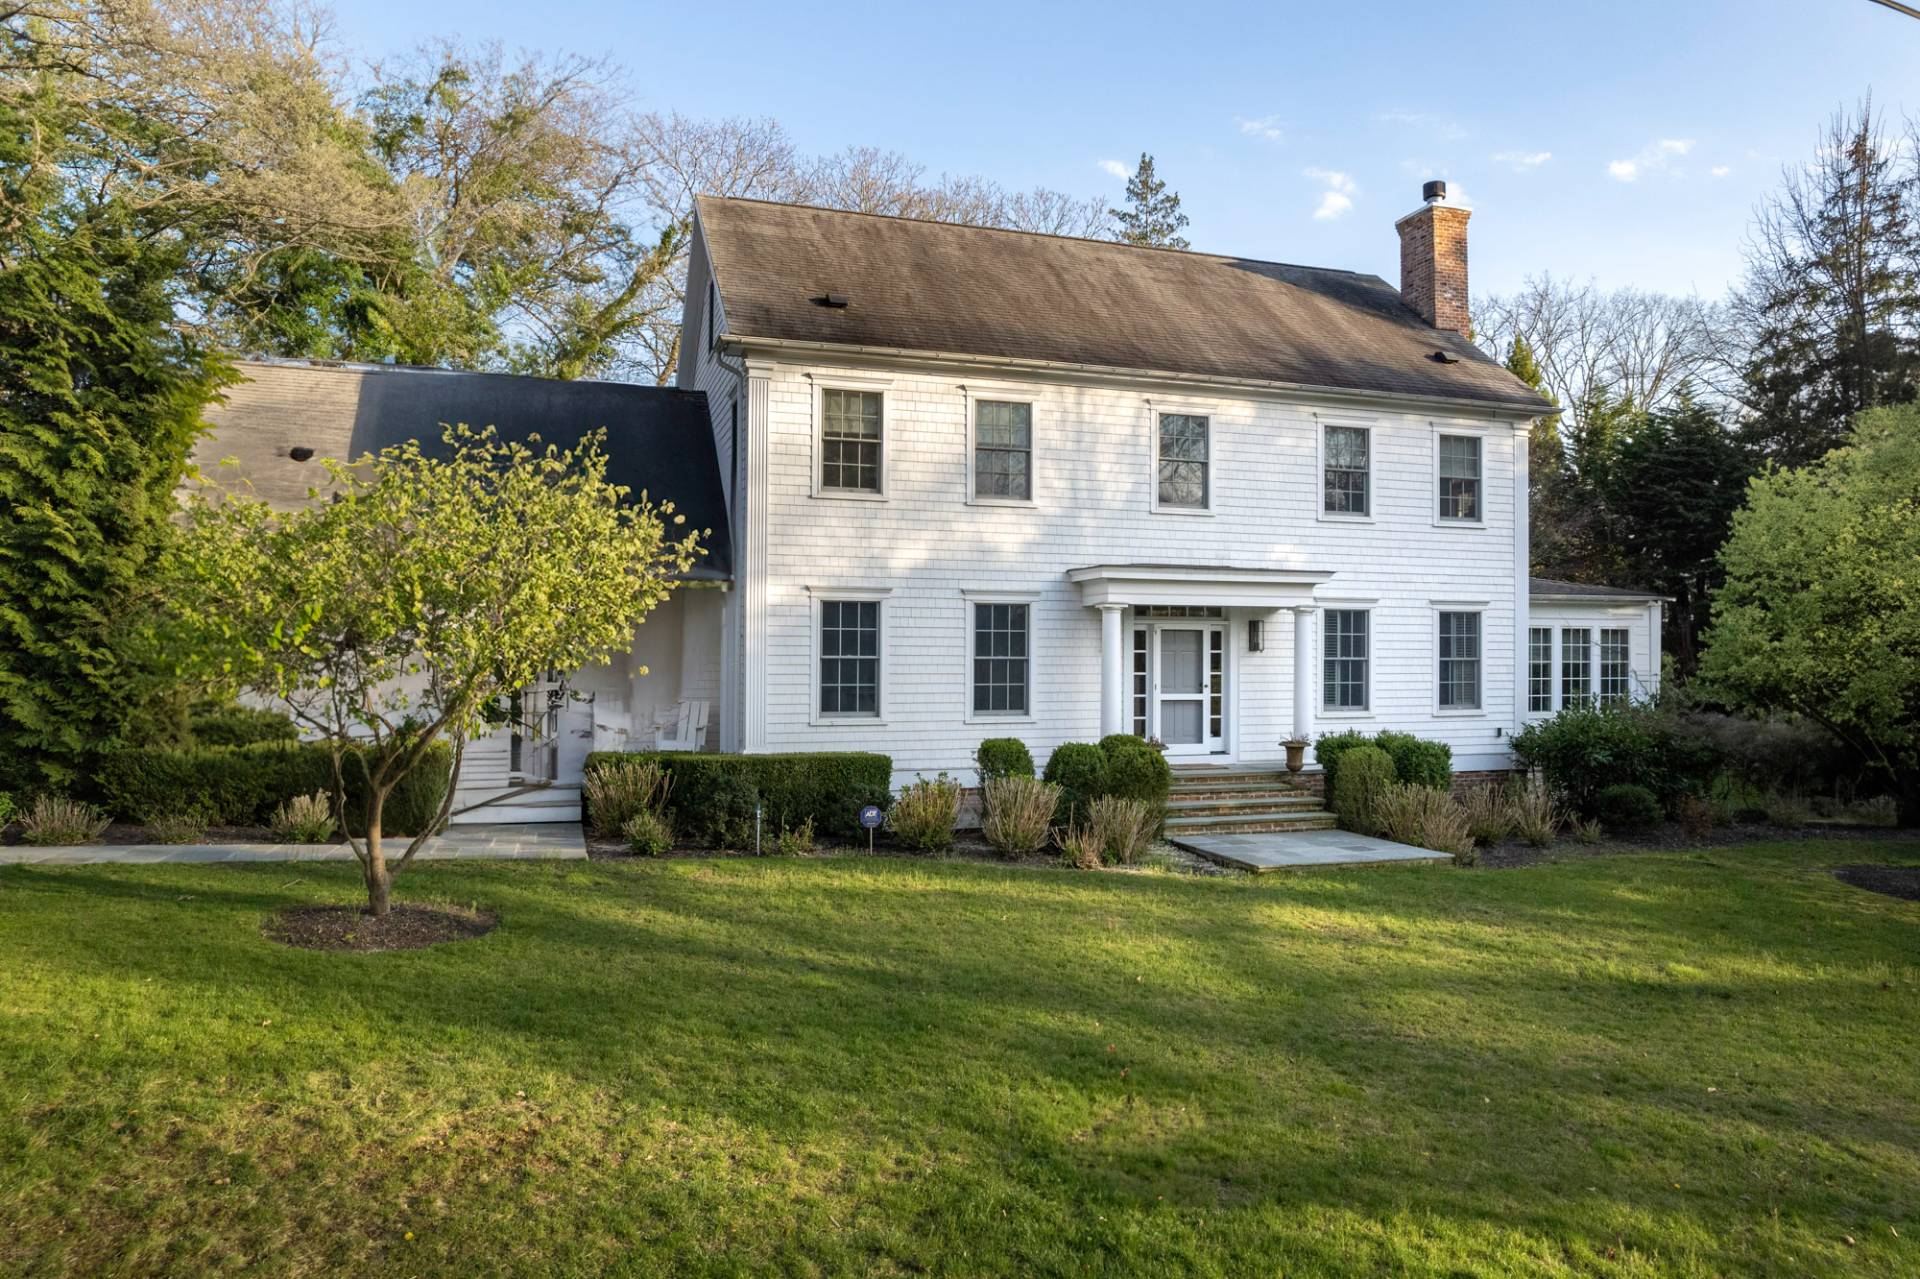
(1118, 764)
(238, 726)
(1585, 749)
(1003, 757)
(1416, 761)
(242, 785)
(1365, 773)
(713, 795)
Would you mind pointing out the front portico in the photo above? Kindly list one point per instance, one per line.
(1169, 648)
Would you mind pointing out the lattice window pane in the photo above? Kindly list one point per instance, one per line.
(1184, 459)
(1576, 666)
(1000, 662)
(850, 440)
(850, 657)
(1003, 450)
(1216, 683)
(1346, 470)
(1459, 477)
(1140, 681)
(1615, 665)
(1460, 661)
(1540, 668)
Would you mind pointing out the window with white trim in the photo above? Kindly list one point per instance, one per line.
(1002, 635)
(1576, 666)
(850, 440)
(1185, 460)
(1459, 673)
(1003, 450)
(1459, 466)
(1343, 659)
(1345, 469)
(1540, 668)
(850, 658)
(1616, 664)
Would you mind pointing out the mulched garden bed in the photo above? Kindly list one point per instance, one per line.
(1895, 881)
(1668, 838)
(405, 927)
(967, 847)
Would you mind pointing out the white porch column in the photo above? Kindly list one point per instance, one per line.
(1303, 673)
(1113, 671)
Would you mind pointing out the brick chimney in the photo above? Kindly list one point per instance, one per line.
(1433, 260)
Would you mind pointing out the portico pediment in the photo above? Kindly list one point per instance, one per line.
(1141, 585)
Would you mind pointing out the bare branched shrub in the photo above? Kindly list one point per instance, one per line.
(1425, 817)
(304, 819)
(1533, 813)
(1488, 812)
(620, 790)
(924, 813)
(1018, 813)
(55, 819)
(1079, 846)
(1124, 827)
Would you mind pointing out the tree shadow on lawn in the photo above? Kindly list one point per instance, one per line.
(1265, 1064)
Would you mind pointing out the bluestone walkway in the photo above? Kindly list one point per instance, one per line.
(529, 841)
(1281, 850)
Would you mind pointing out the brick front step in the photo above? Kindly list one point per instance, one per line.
(1186, 805)
(1240, 790)
(1251, 823)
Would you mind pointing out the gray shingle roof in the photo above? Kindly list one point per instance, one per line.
(1582, 590)
(659, 440)
(937, 287)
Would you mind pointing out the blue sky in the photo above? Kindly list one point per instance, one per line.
(1624, 142)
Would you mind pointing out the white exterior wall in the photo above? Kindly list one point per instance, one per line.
(926, 545)
(1640, 619)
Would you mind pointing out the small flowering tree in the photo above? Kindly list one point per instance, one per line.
(392, 615)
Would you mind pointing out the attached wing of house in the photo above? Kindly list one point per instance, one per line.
(285, 416)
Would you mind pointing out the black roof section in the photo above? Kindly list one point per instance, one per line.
(1547, 586)
(659, 440)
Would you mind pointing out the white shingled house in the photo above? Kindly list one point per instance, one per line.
(973, 483)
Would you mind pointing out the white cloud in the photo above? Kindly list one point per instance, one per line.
(1115, 169)
(1520, 161)
(1337, 200)
(1439, 126)
(1267, 128)
(1656, 157)
(1721, 170)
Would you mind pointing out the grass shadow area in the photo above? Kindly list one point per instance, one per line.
(1693, 1063)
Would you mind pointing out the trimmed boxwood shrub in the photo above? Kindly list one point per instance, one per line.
(1624, 806)
(1003, 757)
(1365, 774)
(1138, 771)
(1079, 769)
(243, 785)
(828, 788)
(1416, 761)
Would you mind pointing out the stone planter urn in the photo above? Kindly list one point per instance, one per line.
(1296, 754)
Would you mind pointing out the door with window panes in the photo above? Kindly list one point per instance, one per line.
(1180, 679)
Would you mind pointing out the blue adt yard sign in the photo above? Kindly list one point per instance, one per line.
(871, 817)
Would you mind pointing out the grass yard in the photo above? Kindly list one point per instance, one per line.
(1691, 1064)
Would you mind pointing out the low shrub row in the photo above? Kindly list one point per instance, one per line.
(246, 785)
(1586, 750)
(1416, 761)
(1119, 765)
(710, 799)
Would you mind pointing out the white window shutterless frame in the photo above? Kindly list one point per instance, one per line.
(851, 448)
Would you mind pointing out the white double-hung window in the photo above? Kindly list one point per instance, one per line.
(1346, 470)
(1002, 451)
(1457, 462)
(1183, 479)
(1459, 665)
(851, 441)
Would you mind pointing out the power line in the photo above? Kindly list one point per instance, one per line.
(1897, 7)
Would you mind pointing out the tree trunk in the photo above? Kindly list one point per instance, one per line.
(379, 878)
(1906, 800)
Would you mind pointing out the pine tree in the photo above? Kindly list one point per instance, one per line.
(1833, 294)
(100, 400)
(1153, 217)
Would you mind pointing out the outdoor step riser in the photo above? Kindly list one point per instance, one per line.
(1255, 808)
(1250, 828)
(1246, 796)
(1245, 792)
(1185, 820)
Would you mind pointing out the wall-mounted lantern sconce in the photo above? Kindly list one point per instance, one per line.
(1256, 635)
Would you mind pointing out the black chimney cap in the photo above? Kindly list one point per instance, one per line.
(1434, 190)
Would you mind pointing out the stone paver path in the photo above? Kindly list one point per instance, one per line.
(529, 841)
(1280, 850)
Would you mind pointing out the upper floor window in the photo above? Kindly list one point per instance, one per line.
(1615, 664)
(1185, 460)
(850, 657)
(1459, 661)
(1344, 660)
(850, 440)
(1576, 666)
(1001, 663)
(1540, 668)
(1003, 450)
(1459, 457)
(1345, 465)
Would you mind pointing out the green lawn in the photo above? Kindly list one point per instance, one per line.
(1692, 1064)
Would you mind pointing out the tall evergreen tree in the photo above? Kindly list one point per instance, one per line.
(1673, 487)
(100, 399)
(1152, 216)
(1833, 293)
